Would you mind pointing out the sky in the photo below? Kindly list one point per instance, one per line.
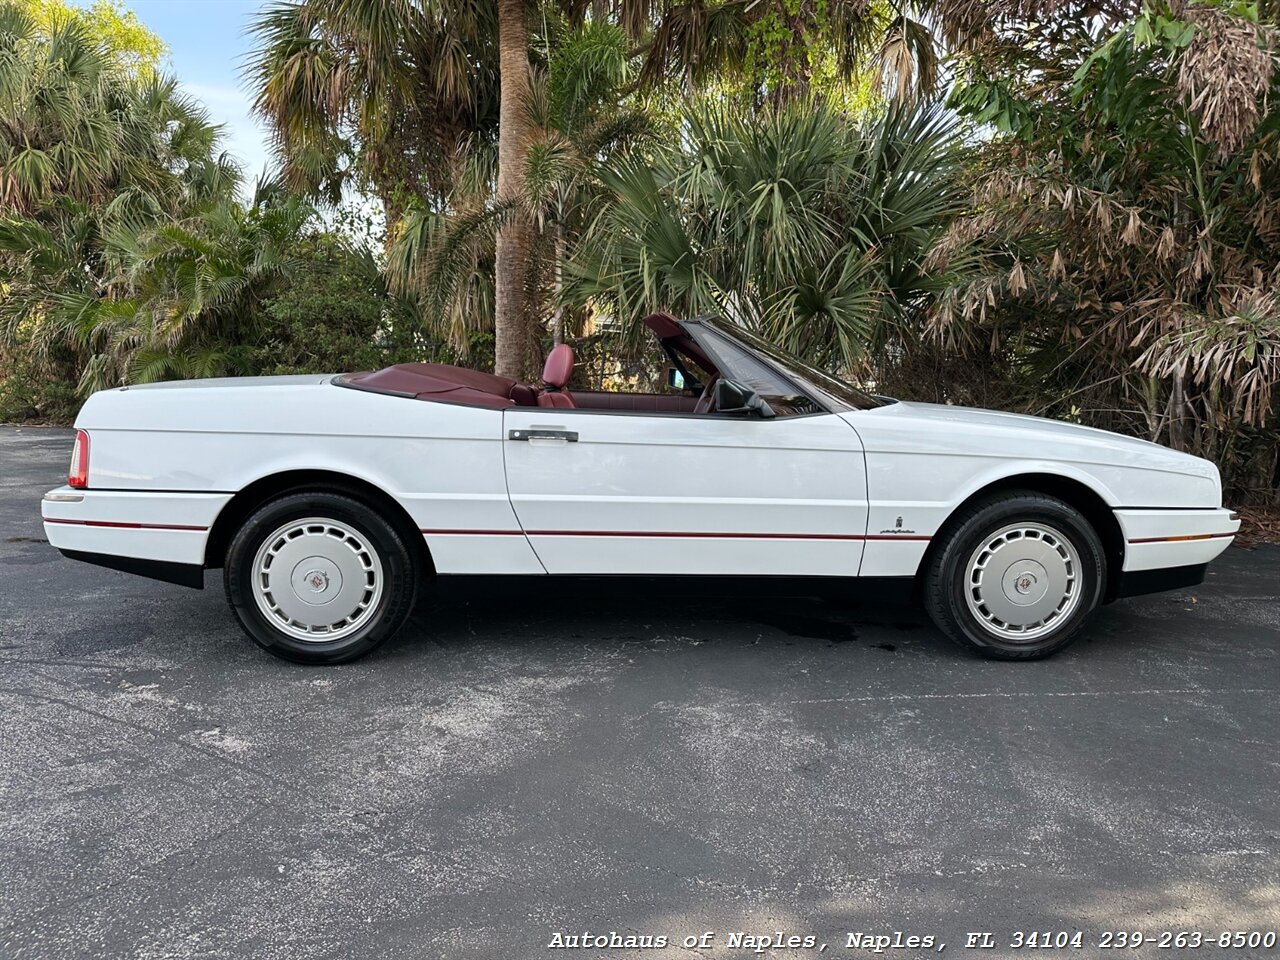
(208, 41)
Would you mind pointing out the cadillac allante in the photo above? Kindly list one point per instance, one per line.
(330, 501)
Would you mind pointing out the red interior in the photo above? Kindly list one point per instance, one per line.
(648, 402)
(559, 366)
(438, 381)
(556, 373)
(441, 382)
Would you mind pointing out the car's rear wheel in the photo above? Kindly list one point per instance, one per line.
(318, 577)
(1015, 576)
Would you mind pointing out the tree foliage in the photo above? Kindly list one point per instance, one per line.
(90, 149)
(126, 253)
(402, 98)
(1122, 245)
(803, 224)
(381, 95)
(130, 48)
(581, 119)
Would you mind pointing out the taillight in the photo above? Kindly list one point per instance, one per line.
(78, 476)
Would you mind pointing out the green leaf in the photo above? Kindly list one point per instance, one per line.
(1178, 34)
(1142, 32)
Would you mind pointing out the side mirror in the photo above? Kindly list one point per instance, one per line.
(736, 400)
(675, 379)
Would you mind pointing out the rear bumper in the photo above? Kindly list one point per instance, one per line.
(183, 574)
(1157, 539)
(161, 535)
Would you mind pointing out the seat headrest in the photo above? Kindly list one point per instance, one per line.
(559, 366)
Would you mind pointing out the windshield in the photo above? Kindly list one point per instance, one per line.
(798, 370)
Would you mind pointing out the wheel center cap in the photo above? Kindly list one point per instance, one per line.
(316, 580)
(1025, 582)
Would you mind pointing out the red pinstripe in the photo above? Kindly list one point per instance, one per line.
(1194, 536)
(691, 535)
(123, 525)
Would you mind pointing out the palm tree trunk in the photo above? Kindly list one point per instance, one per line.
(557, 327)
(391, 214)
(1177, 403)
(515, 236)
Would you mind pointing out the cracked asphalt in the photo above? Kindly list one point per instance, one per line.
(510, 769)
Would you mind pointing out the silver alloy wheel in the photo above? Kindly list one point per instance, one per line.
(317, 579)
(1023, 581)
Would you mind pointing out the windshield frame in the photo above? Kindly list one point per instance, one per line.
(824, 389)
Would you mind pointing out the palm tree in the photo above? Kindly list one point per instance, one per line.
(382, 95)
(395, 94)
(174, 299)
(801, 224)
(75, 126)
(86, 149)
(192, 289)
(577, 118)
(413, 87)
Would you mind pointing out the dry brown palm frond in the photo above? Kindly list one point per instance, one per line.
(909, 59)
(694, 41)
(968, 24)
(1238, 352)
(636, 16)
(1258, 525)
(1224, 73)
(1017, 284)
(1132, 233)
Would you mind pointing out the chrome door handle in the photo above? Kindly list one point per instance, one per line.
(571, 436)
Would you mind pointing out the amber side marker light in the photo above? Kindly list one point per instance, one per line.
(78, 475)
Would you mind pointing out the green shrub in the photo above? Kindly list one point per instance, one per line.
(32, 393)
(335, 315)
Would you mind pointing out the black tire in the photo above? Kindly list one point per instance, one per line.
(375, 543)
(949, 586)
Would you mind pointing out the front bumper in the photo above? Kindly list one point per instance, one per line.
(156, 534)
(1135, 583)
(1159, 539)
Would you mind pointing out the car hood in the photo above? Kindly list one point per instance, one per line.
(1043, 427)
(1031, 444)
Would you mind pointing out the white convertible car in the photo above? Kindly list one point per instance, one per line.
(329, 500)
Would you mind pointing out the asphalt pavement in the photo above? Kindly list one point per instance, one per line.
(508, 773)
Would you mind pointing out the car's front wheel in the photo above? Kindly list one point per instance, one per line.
(1015, 577)
(319, 577)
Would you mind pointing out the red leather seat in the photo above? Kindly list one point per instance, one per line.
(523, 395)
(555, 377)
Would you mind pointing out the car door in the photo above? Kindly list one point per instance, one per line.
(611, 492)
